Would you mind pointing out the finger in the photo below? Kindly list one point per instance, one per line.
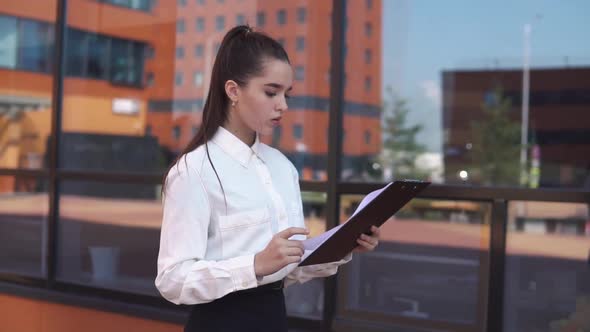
(370, 239)
(294, 243)
(293, 259)
(376, 231)
(365, 244)
(287, 233)
(293, 252)
(360, 249)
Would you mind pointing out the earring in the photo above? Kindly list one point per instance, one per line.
(233, 104)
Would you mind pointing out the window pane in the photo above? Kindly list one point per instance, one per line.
(143, 5)
(107, 233)
(97, 66)
(77, 52)
(105, 99)
(431, 264)
(546, 279)
(8, 41)
(120, 60)
(307, 300)
(35, 45)
(499, 105)
(24, 206)
(26, 83)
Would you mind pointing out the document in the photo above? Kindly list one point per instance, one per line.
(374, 209)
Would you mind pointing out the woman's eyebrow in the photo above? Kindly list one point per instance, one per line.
(277, 86)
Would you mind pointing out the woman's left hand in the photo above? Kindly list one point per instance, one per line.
(368, 242)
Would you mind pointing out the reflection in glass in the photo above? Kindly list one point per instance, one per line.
(109, 234)
(24, 206)
(177, 101)
(459, 99)
(26, 58)
(547, 274)
(307, 300)
(430, 263)
(110, 79)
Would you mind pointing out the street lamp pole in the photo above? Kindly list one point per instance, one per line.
(525, 104)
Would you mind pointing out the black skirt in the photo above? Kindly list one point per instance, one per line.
(253, 310)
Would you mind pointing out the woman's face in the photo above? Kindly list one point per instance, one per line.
(262, 102)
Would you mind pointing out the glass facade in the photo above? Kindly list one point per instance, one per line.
(488, 103)
(457, 99)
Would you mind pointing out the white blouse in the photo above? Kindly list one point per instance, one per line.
(208, 243)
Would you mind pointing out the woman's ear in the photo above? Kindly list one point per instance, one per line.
(232, 90)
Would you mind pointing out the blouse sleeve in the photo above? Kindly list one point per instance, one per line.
(306, 273)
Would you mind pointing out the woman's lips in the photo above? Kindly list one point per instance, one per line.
(276, 121)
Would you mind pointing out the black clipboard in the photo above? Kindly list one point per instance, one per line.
(384, 205)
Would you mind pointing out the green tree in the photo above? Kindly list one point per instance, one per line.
(400, 148)
(496, 145)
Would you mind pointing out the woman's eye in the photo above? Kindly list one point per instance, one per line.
(270, 94)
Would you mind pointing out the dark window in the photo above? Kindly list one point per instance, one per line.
(369, 4)
(367, 137)
(199, 50)
(276, 136)
(180, 52)
(220, 23)
(282, 17)
(300, 43)
(240, 19)
(216, 47)
(126, 62)
(368, 56)
(176, 132)
(76, 52)
(195, 130)
(98, 60)
(260, 19)
(143, 5)
(200, 24)
(178, 78)
(181, 3)
(35, 46)
(301, 14)
(368, 83)
(200, 2)
(298, 131)
(368, 29)
(180, 26)
(299, 73)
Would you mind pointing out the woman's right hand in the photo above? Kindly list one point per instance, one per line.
(279, 252)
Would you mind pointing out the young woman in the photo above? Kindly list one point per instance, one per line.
(233, 223)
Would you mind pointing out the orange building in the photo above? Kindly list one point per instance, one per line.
(109, 48)
(136, 75)
(304, 28)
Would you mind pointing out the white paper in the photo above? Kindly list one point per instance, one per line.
(311, 244)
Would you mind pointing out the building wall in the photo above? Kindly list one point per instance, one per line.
(26, 315)
(558, 117)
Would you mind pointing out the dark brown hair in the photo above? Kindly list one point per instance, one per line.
(240, 57)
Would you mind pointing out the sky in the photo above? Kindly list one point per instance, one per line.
(421, 38)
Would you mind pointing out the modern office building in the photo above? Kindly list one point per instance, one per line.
(303, 27)
(557, 139)
(98, 96)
